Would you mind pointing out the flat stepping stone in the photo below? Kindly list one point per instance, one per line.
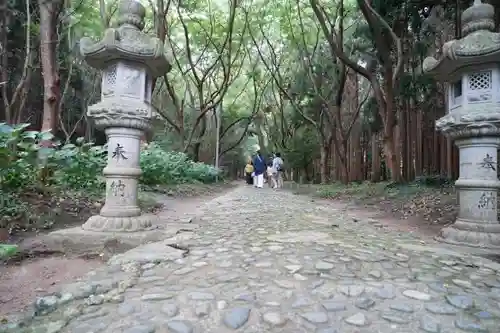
(324, 266)
(285, 284)
(375, 274)
(460, 301)
(364, 303)
(156, 297)
(439, 287)
(430, 325)
(170, 310)
(274, 319)
(333, 306)
(293, 268)
(315, 317)
(483, 315)
(462, 283)
(199, 264)
(202, 310)
(386, 292)
(351, 290)
(358, 319)
(140, 329)
(245, 297)
(300, 277)
(184, 271)
(179, 326)
(470, 326)
(328, 330)
(301, 302)
(396, 318)
(201, 296)
(441, 308)
(402, 307)
(418, 295)
(263, 264)
(236, 317)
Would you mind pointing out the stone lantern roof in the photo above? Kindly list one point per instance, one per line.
(479, 45)
(127, 42)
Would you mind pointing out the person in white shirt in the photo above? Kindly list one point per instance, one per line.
(278, 170)
(271, 176)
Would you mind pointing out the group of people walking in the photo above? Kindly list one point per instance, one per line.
(257, 169)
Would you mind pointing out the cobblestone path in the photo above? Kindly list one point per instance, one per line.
(270, 261)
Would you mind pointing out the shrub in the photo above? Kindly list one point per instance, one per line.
(18, 155)
(24, 163)
(434, 181)
(79, 166)
(162, 167)
(28, 168)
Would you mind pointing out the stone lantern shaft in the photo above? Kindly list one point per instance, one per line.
(471, 67)
(129, 60)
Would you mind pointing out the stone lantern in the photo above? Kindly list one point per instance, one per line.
(471, 67)
(129, 60)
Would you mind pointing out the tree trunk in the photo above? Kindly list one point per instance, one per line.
(376, 163)
(343, 155)
(49, 12)
(325, 150)
(356, 173)
(391, 158)
(419, 128)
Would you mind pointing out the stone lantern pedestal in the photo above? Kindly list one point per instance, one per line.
(471, 67)
(129, 60)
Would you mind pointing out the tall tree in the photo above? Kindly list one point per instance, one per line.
(382, 70)
(49, 15)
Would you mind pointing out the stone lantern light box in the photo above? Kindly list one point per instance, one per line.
(475, 86)
(126, 80)
(471, 68)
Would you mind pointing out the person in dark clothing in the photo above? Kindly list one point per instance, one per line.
(259, 165)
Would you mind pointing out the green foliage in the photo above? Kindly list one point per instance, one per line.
(303, 148)
(78, 166)
(18, 154)
(361, 192)
(371, 117)
(26, 166)
(435, 181)
(162, 167)
(7, 250)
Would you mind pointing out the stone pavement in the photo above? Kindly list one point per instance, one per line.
(270, 261)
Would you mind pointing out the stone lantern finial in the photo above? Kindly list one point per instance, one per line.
(479, 16)
(131, 12)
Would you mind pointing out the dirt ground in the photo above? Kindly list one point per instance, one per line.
(418, 209)
(39, 269)
(21, 284)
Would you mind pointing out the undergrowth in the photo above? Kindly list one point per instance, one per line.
(31, 172)
(433, 198)
(366, 190)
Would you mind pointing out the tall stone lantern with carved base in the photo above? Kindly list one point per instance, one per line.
(129, 60)
(471, 67)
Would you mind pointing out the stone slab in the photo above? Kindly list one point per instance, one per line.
(156, 252)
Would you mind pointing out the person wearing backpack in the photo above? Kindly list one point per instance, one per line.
(278, 168)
